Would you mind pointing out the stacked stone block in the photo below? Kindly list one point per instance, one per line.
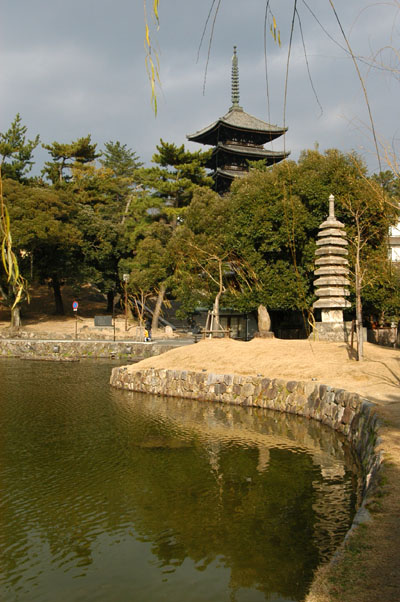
(332, 268)
(64, 350)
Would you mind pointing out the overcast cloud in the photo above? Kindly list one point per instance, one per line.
(78, 67)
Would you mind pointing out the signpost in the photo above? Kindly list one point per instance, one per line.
(75, 306)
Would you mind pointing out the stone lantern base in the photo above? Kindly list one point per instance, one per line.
(332, 315)
(331, 331)
(334, 331)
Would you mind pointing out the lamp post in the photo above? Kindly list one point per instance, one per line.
(125, 278)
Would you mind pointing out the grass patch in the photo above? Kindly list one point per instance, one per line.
(344, 578)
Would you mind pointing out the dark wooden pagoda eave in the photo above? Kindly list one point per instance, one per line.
(223, 178)
(222, 154)
(229, 174)
(221, 130)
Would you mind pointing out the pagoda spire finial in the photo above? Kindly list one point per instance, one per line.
(331, 206)
(235, 79)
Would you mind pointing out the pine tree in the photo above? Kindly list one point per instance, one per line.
(65, 156)
(16, 151)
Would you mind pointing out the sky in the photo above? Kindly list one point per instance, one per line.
(78, 67)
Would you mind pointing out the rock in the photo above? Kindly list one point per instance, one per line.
(264, 323)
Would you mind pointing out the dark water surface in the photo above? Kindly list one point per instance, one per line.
(114, 496)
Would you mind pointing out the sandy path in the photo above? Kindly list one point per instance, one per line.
(377, 377)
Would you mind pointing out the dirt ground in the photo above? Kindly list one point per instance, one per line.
(39, 319)
(368, 569)
(377, 377)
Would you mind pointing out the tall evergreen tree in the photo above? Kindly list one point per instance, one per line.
(122, 161)
(168, 188)
(45, 236)
(65, 156)
(105, 195)
(176, 174)
(16, 152)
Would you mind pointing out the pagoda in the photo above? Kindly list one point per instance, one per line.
(237, 138)
(331, 285)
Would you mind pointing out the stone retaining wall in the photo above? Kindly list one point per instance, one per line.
(347, 413)
(69, 349)
(388, 337)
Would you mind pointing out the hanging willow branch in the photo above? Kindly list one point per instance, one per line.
(210, 41)
(307, 63)
(152, 60)
(9, 260)
(353, 57)
(205, 28)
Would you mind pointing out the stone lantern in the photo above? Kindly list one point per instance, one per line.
(331, 285)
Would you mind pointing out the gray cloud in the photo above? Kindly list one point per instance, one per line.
(79, 67)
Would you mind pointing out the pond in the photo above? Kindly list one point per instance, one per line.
(108, 495)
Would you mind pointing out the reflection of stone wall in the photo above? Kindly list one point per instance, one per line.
(65, 350)
(345, 412)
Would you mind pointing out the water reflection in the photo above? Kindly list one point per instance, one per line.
(110, 495)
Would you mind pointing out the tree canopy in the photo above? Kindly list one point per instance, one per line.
(101, 214)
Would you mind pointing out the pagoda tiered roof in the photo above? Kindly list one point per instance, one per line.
(244, 152)
(237, 119)
(238, 138)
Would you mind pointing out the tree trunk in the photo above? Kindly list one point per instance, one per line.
(157, 309)
(359, 317)
(216, 310)
(55, 283)
(15, 321)
(359, 324)
(110, 302)
(128, 204)
(218, 297)
(16, 317)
